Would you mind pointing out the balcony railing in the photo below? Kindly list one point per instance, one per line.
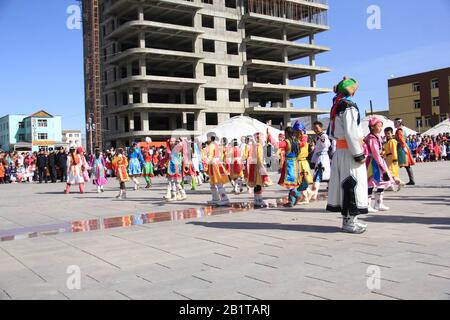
(290, 10)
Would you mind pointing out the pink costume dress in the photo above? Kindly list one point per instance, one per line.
(377, 169)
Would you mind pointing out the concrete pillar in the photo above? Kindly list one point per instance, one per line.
(144, 95)
(172, 122)
(145, 122)
(313, 78)
(183, 97)
(199, 121)
(129, 69)
(287, 120)
(184, 120)
(131, 119)
(130, 96)
(141, 13)
(142, 66)
(141, 40)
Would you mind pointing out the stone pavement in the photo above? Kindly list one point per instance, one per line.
(275, 253)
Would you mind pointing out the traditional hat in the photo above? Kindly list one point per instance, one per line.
(374, 120)
(80, 149)
(298, 126)
(348, 86)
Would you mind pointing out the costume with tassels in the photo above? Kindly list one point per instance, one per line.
(218, 175)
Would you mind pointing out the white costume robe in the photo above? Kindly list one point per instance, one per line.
(348, 191)
(320, 157)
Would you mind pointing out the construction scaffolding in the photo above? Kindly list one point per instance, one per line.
(289, 10)
(92, 72)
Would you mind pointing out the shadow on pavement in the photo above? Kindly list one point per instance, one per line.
(267, 226)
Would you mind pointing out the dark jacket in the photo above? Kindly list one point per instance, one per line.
(52, 160)
(62, 160)
(42, 161)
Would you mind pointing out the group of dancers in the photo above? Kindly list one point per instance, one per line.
(359, 169)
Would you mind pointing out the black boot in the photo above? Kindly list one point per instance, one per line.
(411, 177)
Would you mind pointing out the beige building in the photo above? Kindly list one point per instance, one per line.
(72, 137)
(421, 100)
(172, 64)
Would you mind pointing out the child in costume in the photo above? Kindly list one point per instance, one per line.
(74, 171)
(257, 173)
(304, 170)
(289, 178)
(135, 164)
(148, 172)
(391, 155)
(175, 191)
(218, 175)
(98, 165)
(405, 159)
(377, 170)
(236, 167)
(347, 192)
(84, 164)
(120, 167)
(320, 158)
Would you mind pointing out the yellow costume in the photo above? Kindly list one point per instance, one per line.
(218, 175)
(304, 171)
(257, 173)
(391, 155)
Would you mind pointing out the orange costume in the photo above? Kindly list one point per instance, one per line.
(120, 165)
(217, 173)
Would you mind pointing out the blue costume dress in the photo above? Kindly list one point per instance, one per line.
(136, 162)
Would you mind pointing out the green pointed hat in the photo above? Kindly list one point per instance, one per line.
(347, 86)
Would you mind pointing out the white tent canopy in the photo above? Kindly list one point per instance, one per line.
(240, 126)
(441, 128)
(386, 124)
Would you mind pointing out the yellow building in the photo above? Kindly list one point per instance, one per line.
(421, 100)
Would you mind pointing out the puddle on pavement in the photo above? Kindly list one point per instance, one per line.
(129, 220)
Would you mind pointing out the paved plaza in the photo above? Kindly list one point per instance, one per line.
(187, 251)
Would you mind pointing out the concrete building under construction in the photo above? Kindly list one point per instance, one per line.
(191, 64)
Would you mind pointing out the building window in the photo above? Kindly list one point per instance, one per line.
(21, 125)
(231, 25)
(232, 48)
(419, 123)
(21, 138)
(435, 84)
(435, 102)
(233, 72)
(417, 104)
(42, 136)
(116, 123)
(70, 135)
(208, 21)
(209, 45)
(427, 121)
(209, 70)
(443, 117)
(210, 94)
(208, 1)
(416, 87)
(42, 123)
(234, 95)
(212, 119)
(230, 3)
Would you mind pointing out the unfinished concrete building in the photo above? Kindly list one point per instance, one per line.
(172, 64)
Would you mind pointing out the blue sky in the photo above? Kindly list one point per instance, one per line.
(42, 68)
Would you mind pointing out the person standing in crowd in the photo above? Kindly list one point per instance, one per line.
(98, 165)
(136, 163)
(377, 170)
(236, 168)
(305, 177)
(62, 164)
(405, 159)
(42, 165)
(289, 177)
(147, 172)
(347, 192)
(74, 171)
(175, 191)
(218, 175)
(320, 158)
(258, 178)
(391, 155)
(120, 166)
(52, 165)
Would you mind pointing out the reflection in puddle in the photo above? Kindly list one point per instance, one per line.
(128, 221)
(124, 221)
